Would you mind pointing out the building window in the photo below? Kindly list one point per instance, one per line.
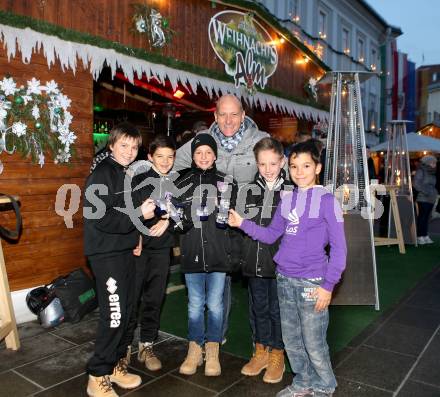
(372, 114)
(361, 50)
(322, 25)
(346, 41)
(434, 77)
(293, 10)
(373, 65)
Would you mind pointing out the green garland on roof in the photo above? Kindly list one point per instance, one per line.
(22, 22)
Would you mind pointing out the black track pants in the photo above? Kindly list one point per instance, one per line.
(115, 287)
(152, 269)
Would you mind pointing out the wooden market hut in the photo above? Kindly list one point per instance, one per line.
(71, 42)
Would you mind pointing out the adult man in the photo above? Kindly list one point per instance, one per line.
(235, 135)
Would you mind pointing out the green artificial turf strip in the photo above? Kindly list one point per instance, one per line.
(397, 275)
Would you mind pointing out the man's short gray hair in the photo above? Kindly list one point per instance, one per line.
(231, 96)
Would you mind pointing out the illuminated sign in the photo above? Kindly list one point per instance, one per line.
(245, 47)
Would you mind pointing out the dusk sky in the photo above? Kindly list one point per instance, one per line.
(420, 23)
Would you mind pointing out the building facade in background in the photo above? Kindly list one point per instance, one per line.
(351, 35)
(428, 96)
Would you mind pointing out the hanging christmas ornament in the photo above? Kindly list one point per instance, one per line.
(150, 22)
(19, 100)
(38, 125)
(311, 88)
(157, 34)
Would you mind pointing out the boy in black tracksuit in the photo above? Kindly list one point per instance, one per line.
(262, 198)
(109, 239)
(208, 250)
(152, 266)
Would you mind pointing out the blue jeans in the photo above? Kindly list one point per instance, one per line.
(266, 312)
(205, 289)
(227, 302)
(304, 335)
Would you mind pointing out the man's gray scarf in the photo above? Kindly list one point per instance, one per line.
(229, 143)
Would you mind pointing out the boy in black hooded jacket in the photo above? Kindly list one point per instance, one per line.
(207, 251)
(152, 266)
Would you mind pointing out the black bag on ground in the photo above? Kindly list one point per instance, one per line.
(76, 292)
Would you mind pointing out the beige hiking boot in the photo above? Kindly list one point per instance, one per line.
(122, 377)
(100, 386)
(146, 355)
(193, 359)
(212, 364)
(258, 362)
(275, 369)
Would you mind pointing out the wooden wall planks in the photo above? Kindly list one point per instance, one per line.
(46, 248)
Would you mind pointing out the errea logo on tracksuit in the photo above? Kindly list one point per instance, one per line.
(115, 308)
(292, 227)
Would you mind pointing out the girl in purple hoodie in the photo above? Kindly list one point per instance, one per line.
(308, 219)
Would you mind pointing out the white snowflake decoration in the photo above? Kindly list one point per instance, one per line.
(34, 87)
(8, 86)
(52, 87)
(62, 157)
(19, 128)
(41, 159)
(67, 117)
(141, 25)
(67, 138)
(63, 101)
(36, 112)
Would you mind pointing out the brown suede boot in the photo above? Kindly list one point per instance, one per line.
(212, 364)
(193, 359)
(100, 386)
(258, 362)
(275, 369)
(122, 377)
(146, 355)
